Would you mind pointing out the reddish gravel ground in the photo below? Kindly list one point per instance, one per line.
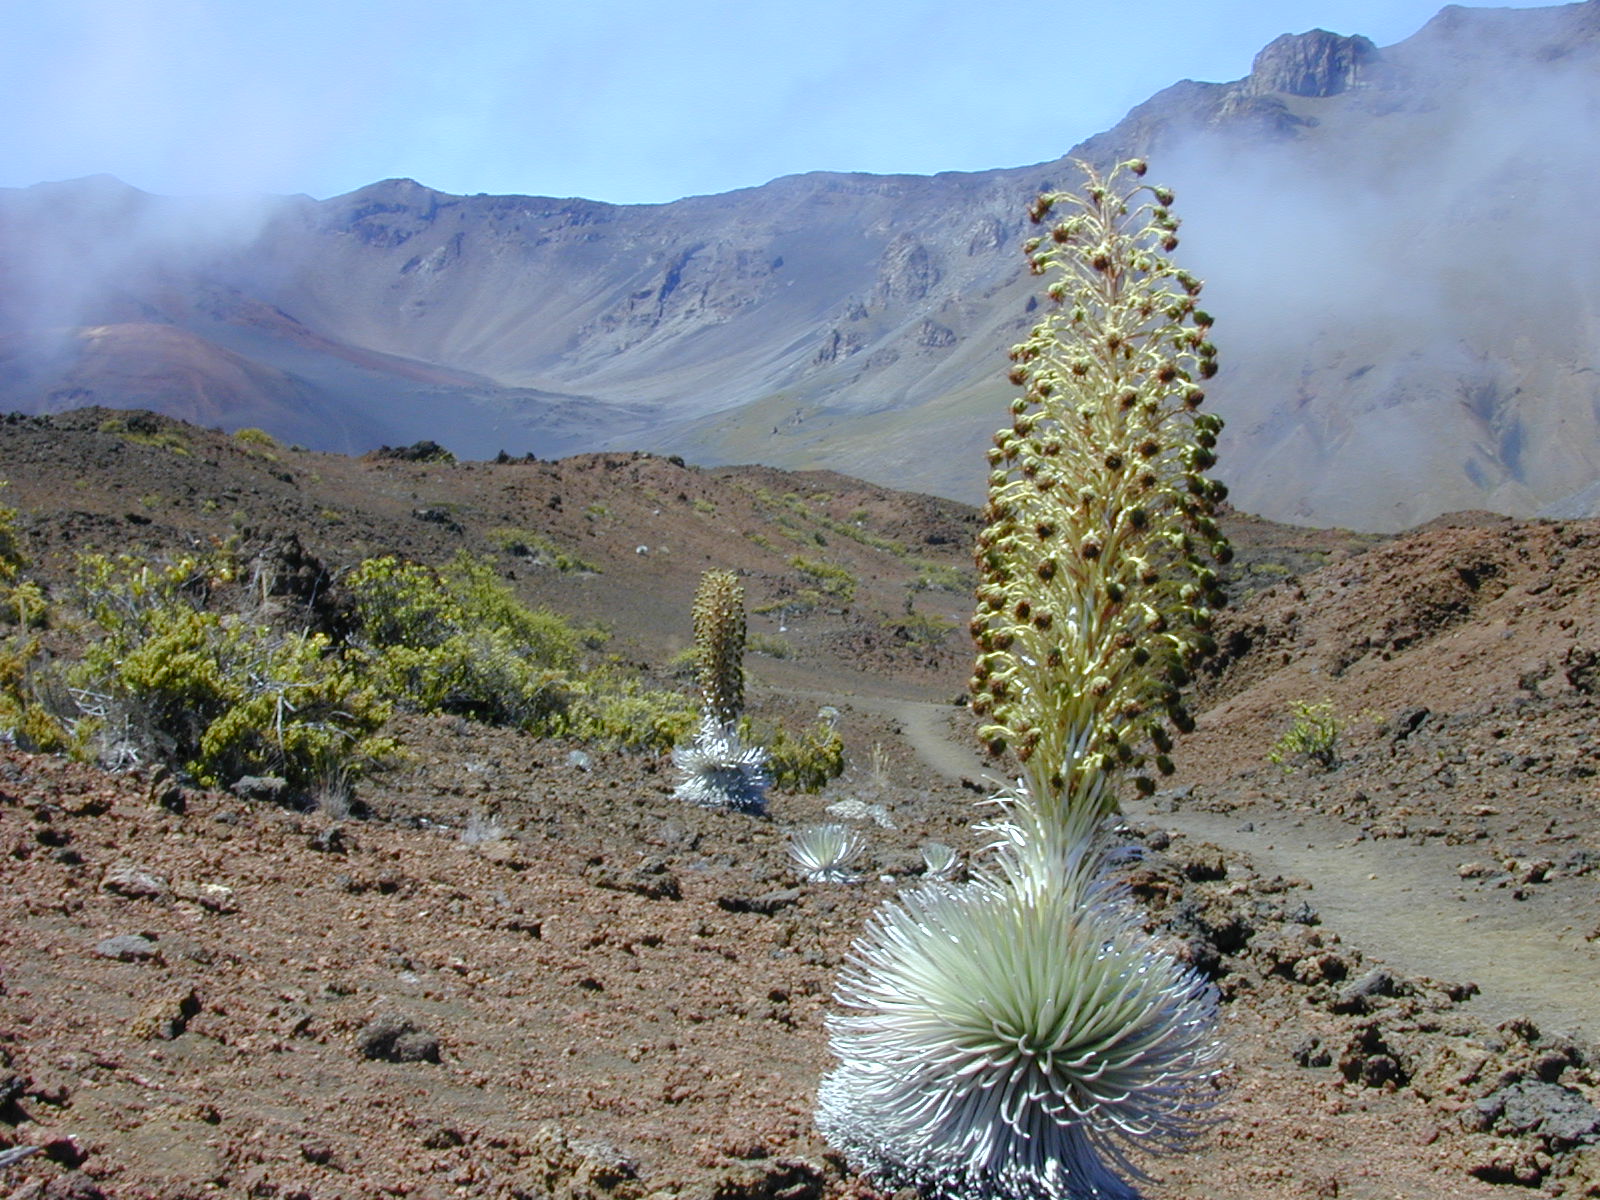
(521, 973)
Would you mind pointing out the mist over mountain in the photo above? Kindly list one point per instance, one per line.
(1393, 238)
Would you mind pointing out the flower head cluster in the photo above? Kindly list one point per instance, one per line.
(719, 636)
(1098, 581)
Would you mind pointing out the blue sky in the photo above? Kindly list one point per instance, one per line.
(626, 101)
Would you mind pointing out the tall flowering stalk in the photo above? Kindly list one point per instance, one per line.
(1020, 1035)
(719, 639)
(1097, 589)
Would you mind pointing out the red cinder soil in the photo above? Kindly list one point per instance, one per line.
(527, 973)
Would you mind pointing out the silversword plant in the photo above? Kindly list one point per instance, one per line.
(1020, 1035)
(824, 853)
(939, 861)
(719, 770)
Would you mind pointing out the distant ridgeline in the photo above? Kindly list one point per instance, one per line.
(1383, 231)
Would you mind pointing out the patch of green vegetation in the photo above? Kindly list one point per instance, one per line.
(168, 679)
(458, 640)
(26, 705)
(135, 432)
(830, 579)
(770, 645)
(941, 577)
(522, 543)
(702, 505)
(257, 442)
(1312, 739)
(803, 762)
(789, 508)
(921, 629)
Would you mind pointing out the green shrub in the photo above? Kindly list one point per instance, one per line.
(458, 640)
(521, 543)
(623, 712)
(257, 442)
(212, 694)
(940, 577)
(12, 559)
(803, 762)
(1312, 739)
(770, 645)
(831, 580)
(142, 431)
(925, 630)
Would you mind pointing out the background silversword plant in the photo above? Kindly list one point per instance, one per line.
(939, 861)
(824, 853)
(719, 770)
(1018, 1035)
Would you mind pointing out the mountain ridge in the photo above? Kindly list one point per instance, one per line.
(859, 322)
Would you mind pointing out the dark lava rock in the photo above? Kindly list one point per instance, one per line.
(1311, 1052)
(259, 787)
(394, 1038)
(1362, 995)
(651, 879)
(1370, 1060)
(765, 905)
(1559, 1115)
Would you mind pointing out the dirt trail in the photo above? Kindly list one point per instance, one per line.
(1401, 902)
(1404, 902)
(927, 728)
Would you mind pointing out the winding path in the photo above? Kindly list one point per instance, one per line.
(1401, 902)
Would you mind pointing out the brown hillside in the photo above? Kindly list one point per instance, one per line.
(528, 973)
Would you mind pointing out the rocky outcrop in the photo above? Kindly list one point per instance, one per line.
(1318, 63)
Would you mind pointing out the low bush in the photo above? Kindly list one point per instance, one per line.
(1311, 741)
(831, 580)
(458, 640)
(521, 543)
(168, 679)
(803, 762)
